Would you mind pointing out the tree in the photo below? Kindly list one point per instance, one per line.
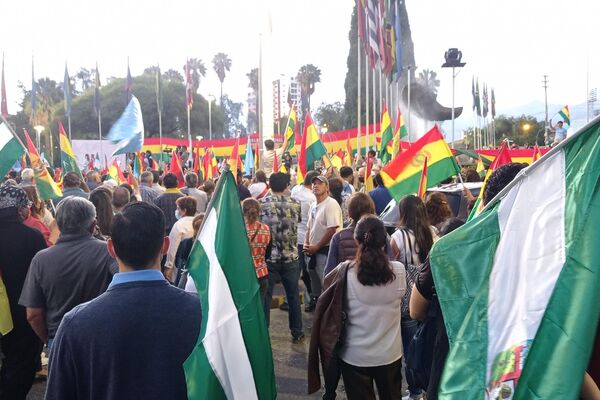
(221, 65)
(331, 115)
(428, 78)
(253, 79)
(252, 121)
(522, 131)
(172, 75)
(197, 70)
(232, 111)
(308, 76)
(83, 78)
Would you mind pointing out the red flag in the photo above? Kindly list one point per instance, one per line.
(423, 182)
(502, 158)
(58, 175)
(369, 185)
(105, 170)
(234, 159)
(275, 163)
(536, 154)
(176, 169)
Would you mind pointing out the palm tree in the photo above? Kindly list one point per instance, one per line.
(308, 75)
(221, 64)
(253, 78)
(429, 79)
(197, 69)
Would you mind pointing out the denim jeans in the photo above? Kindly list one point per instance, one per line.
(408, 328)
(304, 274)
(289, 274)
(316, 274)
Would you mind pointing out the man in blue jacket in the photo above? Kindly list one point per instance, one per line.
(130, 342)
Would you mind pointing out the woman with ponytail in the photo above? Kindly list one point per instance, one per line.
(410, 245)
(372, 349)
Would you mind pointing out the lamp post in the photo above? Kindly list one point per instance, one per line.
(39, 129)
(210, 115)
(453, 60)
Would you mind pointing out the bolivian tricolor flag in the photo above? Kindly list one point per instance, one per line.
(290, 132)
(502, 158)
(45, 185)
(369, 185)
(348, 155)
(480, 169)
(536, 154)
(337, 159)
(565, 115)
(67, 157)
(114, 171)
(403, 174)
(233, 160)
(311, 149)
(399, 133)
(387, 137)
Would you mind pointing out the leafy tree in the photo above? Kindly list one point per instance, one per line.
(233, 112)
(198, 70)
(253, 84)
(331, 115)
(83, 79)
(221, 65)
(253, 79)
(308, 76)
(428, 78)
(522, 131)
(172, 75)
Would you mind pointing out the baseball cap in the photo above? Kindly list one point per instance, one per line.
(320, 178)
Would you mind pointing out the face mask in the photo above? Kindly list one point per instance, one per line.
(177, 215)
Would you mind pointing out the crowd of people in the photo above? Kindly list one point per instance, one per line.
(99, 277)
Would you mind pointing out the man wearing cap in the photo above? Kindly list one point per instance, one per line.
(71, 187)
(324, 220)
(18, 244)
(75, 270)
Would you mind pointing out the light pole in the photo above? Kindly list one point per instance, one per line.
(453, 60)
(210, 115)
(38, 133)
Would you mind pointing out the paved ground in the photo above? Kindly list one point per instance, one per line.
(290, 361)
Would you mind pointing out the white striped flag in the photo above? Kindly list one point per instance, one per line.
(519, 287)
(233, 358)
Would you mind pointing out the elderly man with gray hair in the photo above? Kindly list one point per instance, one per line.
(75, 270)
(191, 189)
(147, 191)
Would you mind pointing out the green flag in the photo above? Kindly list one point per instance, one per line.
(234, 334)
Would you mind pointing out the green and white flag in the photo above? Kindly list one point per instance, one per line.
(232, 359)
(10, 148)
(519, 286)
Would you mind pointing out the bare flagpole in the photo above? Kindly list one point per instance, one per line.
(367, 104)
(358, 95)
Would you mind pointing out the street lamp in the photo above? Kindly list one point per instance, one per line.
(210, 115)
(453, 60)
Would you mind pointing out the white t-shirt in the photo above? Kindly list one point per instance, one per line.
(373, 334)
(256, 189)
(321, 216)
(306, 198)
(182, 229)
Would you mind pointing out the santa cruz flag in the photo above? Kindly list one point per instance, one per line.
(232, 359)
(519, 287)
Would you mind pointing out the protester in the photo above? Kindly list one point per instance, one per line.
(324, 220)
(422, 297)
(18, 245)
(259, 188)
(120, 198)
(184, 250)
(71, 187)
(560, 133)
(259, 238)
(191, 183)
(499, 178)
(132, 341)
(101, 198)
(381, 195)
(36, 213)
(347, 174)
(304, 195)
(166, 201)
(156, 182)
(147, 192)
(336, 191)
(438, 210)
(268, 156)
(75, 270)
(132, 197)
(182, 229)
(343, 247)
(243, 191)
(27, 176)
(372, 349)
(92, 179)
(208, 187)
(410, 245)
(282, 214)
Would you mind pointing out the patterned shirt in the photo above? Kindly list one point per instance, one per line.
(282, 214)
(259, 237)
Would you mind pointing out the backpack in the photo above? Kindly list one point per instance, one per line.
(412, 271)
(419, 355)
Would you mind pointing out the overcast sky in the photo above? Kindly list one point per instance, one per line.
(508, 44)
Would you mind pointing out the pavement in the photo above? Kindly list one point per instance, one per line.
(290, 359)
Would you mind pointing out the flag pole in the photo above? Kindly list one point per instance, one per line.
(408, 125)
(189, 127)
(100, 129)
(375, 114)
(359, 84)
(367, 108)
